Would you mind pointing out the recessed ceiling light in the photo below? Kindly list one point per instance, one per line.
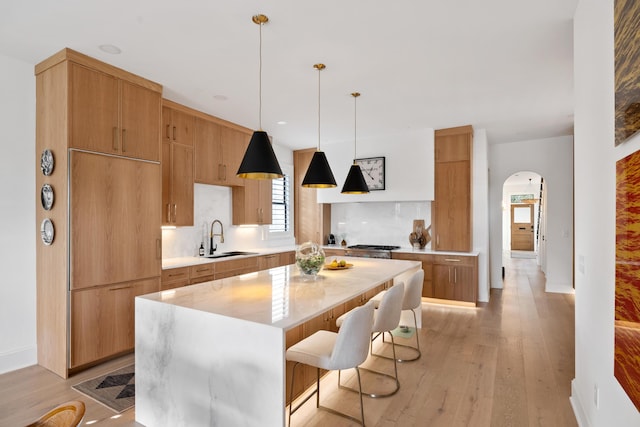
(282, 122)
(220, 97)
(109, 48)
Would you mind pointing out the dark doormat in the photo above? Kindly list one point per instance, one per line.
(116, 390)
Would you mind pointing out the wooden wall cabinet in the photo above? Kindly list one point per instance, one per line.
(219, 152)
(178, 126)
(252, 202)
(111, 115)
(451, 211)
(107, 210)
(177, 166)
(312, 221)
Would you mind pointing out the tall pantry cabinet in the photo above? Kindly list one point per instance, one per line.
(451, 211)
(102, 125)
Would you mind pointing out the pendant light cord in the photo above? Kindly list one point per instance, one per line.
(260, 83)
(319, 69)
(355, 127)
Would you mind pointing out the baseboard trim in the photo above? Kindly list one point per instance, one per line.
(18, 359)
(577, 406)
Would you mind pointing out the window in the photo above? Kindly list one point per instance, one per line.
(280, 205)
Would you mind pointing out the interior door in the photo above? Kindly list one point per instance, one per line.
(522, 227)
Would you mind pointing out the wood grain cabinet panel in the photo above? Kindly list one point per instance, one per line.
(312, 220)
(252, 202)
(178, 126)
(201, 273)
(102, 320)
(114, 218)
(113, 116)
(455, 278)
(208, 153)
(451, 210)
(174, 278)
(427, 266)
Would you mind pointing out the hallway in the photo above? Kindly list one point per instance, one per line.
(506, 363)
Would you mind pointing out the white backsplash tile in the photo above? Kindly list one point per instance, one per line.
(213, 202)
(380, 223)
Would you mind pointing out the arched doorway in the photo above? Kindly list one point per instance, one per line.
(523, 217)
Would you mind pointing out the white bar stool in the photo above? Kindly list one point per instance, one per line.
(412, 299)
(335, 351)
(385, 319)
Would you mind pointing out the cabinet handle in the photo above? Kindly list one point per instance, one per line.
(175, 212)
(124, 134)
(114, 139)
(119, 288)
(224, 167)
(455, 275)
(438, 240)
(168, 213)
(449, 269)
(219, 172)
(174, 133)
(158, 248)
(199, 270)
(168, 136)
(452, 260)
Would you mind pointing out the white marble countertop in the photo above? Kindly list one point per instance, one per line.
(187, 261)
(280, 296)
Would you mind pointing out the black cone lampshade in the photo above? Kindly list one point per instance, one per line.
(259, 160)
(319, 173)
(355, 183)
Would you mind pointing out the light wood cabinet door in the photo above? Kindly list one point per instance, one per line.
(114, 219)
(208, 153)
(312, 220)
(140, 122)
(102, 320)
(427, 266)
(178, 126)
(234, 144)
(177, 184)
(451, 211)
(455, 278)
(93, 110)
(252, 202)
(113, 116)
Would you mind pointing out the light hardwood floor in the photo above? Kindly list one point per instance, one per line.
(506, 363)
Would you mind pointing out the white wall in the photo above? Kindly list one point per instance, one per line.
(553, 159)
(480, 201)
(17, 225)
(409, 165)
(595, 157)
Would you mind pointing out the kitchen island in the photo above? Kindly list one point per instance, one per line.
(214, 353)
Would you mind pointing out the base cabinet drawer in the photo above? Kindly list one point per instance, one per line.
(175, 278)
(102, 320)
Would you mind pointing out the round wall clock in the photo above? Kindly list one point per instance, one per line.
(373, 172)
(46, 162)
(46, 197)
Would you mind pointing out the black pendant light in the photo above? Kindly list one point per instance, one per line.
(259, 160)
(355, 183)
(319, 173)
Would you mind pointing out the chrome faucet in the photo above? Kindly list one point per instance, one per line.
(213, 248)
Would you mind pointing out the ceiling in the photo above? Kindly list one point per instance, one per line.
(505, 66)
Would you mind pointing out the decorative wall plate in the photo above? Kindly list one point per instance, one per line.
(46, 231)
(46, 197)
(46, 162)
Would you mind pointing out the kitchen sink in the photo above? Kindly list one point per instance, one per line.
(231, 253)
